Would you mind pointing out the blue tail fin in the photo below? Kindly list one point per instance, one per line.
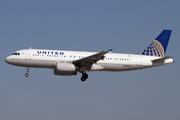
(159, 45)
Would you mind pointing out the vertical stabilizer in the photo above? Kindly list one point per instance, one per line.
(159, 45)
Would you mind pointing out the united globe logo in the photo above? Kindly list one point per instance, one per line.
(154, 49)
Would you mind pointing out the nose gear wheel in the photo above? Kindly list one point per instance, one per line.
(27, 74)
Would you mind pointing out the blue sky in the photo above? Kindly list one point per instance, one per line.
(96, 25)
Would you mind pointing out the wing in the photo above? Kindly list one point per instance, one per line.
(90, 60)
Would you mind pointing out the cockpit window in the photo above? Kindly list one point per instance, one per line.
(16, 54)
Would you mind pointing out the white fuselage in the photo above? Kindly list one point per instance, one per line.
(40, 58)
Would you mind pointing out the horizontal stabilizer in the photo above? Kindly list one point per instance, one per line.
(161, 59)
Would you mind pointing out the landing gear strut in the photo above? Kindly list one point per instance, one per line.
(27, 74)
(84, 77)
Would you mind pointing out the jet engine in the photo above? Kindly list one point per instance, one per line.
(65, 69)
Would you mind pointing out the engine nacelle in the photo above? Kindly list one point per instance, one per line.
(65, 69)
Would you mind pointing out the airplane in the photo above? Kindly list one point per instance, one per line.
(68, 63)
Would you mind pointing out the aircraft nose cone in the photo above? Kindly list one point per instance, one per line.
(7, 60)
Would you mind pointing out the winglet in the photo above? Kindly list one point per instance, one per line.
(110, 50)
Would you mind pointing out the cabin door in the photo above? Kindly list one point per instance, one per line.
(28, 54)
(138, 60)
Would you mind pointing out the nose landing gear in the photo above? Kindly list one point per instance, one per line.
(27, 74)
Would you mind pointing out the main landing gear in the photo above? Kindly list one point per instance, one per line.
(84, 77)
(27, 74)
(84, 74)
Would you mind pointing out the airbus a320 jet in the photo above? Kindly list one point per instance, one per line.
(67, 63)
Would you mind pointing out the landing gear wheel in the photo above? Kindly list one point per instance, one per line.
(84, 77)
(27, 75)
